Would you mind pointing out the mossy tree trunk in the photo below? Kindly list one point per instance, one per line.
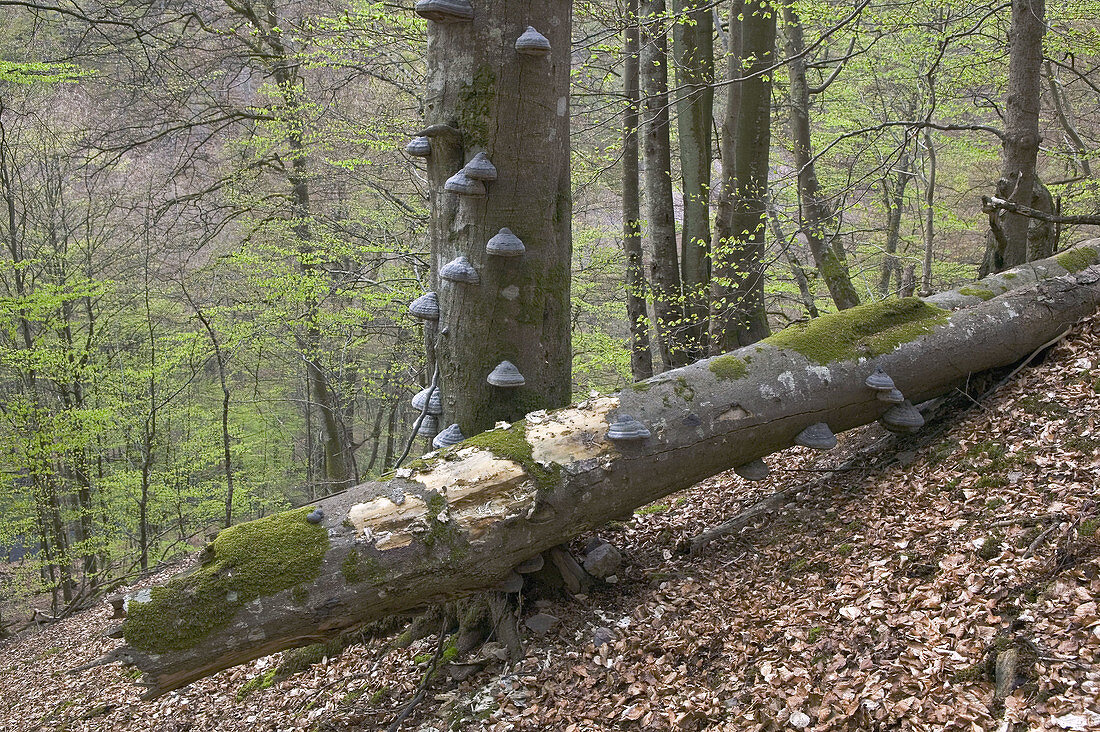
(484, 96)
(465, 520)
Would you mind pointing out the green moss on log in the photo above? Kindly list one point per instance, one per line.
(1077, 259)
(245, 562)
(729, 368)
(357, 568)
(865, 330)
(511, 444)
(980, 292)
(475, 106)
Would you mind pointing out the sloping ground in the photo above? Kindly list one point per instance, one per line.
(872, 601)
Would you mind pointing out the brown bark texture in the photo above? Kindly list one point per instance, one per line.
(484, 96)
(463, 520)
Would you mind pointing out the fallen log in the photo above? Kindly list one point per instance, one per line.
(464, 518)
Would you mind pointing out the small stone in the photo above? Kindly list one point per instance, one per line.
(603, 561)
(603, 636)
(541, 623)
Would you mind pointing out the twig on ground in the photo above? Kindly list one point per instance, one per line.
(428, 676)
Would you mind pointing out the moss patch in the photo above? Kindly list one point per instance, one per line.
(243, 563)
(475, 106)
(865, 330)
(511, 444)
(981, 292)
(357, 568)
(1077, 259)
(729, 368)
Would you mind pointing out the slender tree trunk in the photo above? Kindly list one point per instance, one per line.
(929, 213)
(797, 272)
(641, 358)
(1064, 113)
(1020, 144)
(665, 270)
(484, 96)
(895, 203)
(693, 48)
(818, 220)
(723, 312)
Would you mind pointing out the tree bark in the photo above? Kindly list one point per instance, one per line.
(818, 221)
(693, 49)
(483, 96)
(895, 202)
(668, 302)
(1021, 136)
(641, 358)
(462, 521)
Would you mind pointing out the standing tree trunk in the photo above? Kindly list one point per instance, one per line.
(667, 295)
(929, 212)
(894, 197)
(739, 256)
(485, 96)
(818, 222)
(641, 359)
(1021, 137)
(693, 49)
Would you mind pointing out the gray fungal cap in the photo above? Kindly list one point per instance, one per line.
(316, 516)
(902, 418)
(464, 185)
(625, 427)
(426, 306)
(513, 583)
(754, 470)
(532, 43)
(879, 380)
(433, 402)
(459, 269)
(505, 244)
(445, 11)
(480, 168)
(892, 397)
(818, 436)
(429, 426)
(419, 147)
(534, 564)
(506, 375)
(450, 436)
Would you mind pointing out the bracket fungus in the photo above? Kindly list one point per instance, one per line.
(429, 426)
(419, 147)
(505, 244)
(433, 398)
(316, 516)
(902, 418)
(530, 566)
(459, 269)
(506, 376)
(532, 43)
(445, 11)
(513, 583)
(450, 436)
(817, 436)
(625, 427)
(754, 470)
(480, 168)
(464, 185)
(879, 380)
(425, 307)
(893, 396)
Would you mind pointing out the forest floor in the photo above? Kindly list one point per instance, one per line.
(876, 598)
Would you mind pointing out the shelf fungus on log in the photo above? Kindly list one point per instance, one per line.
(429, 426)
(425, 307)
(480, 168)
(464, 185)
(419, 147)
(892, 396)
(445, 11)
(459, 269)
(753, 470)
(879, 380)
(817, 436)
(532, 43)
(626, 427)
(505, 244)
(902, 418)
(506, 376)
(433, 398)
(450, 436)
(466, 518)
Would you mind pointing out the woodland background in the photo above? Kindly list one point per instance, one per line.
(211, 233)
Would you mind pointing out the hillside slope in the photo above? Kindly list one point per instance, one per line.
(872, 600)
